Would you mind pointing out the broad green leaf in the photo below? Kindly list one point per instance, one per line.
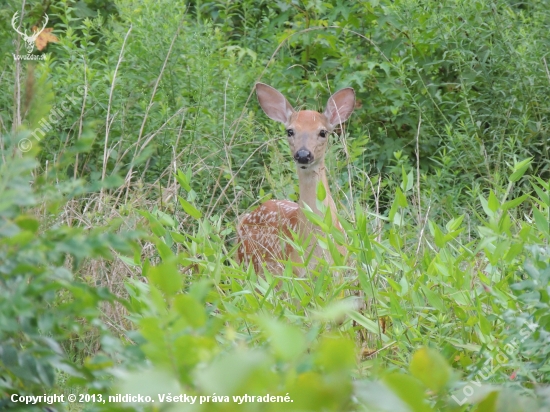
(396, 286)
(190, 309)
(520, 169)
(287, 341)
(485, 206)
(409, 390)
(434, 299)
(379, 397)
(403, 282)
(543, 191)
(321, 191)
(335, 354)
(235, 372)
(484, 324)
(543, 196)
(368, 324)
(189, 208)
(165, 219)
(493, 202)
(156, 227)
(454, 223)
(164, 250)
(431, 368)
(514, 202)
(27, 222)
(541, 221)
(407, 180)
(489, 404)
(167, 278)
(128, 260)
(183, 181)
(401, 198)
(438, 235)
(315, 219)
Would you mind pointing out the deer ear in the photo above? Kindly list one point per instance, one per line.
(340, 106)
(274, 104)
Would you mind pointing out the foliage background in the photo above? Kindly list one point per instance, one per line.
(119, 223)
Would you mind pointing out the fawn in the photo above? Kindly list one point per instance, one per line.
(261, 232)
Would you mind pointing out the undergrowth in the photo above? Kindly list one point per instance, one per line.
(117, 223)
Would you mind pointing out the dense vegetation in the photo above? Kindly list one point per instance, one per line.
(127, 155)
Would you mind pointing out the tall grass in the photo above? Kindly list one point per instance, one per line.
(117, 230)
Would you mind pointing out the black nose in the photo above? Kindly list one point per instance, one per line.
(303, 156)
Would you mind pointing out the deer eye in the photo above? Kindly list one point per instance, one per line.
(323, 133)
(290, 132)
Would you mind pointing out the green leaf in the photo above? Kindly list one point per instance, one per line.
(404, 179)
(190, 309)
(409, 390)
(484, 324)
(183, 181)
(249, 369)
(27, 222)
(454, 223)
(315, 219)
(189, 208)
(407, 180)
(490, 403)
(514, 202)
(368, 324)
(399, 201)
(434, 299)
(165, 219)
(321, 191)
(287, 341)
(403, 282)
(544, 191)
(545, 197)
(485, 206)
(336, 354)
(401, 198)
(438, 235)
(128, 260)
(164, 250)
(430, 368)
(493, 202)
(166, 277)
(541, 221)
(156, 226)
(520, 169)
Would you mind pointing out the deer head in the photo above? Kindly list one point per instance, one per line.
(307, 130)
(29, 40)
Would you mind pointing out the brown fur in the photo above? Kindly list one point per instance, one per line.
(262, 233)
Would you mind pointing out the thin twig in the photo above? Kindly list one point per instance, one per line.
(17, 85)
(546, 67)
(418, 167)
(372, 354)
(81, 120)
(151, 100)
(107, 122)
(422, 230)
(144, 145)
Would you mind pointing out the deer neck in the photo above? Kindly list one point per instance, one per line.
(309, 180)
